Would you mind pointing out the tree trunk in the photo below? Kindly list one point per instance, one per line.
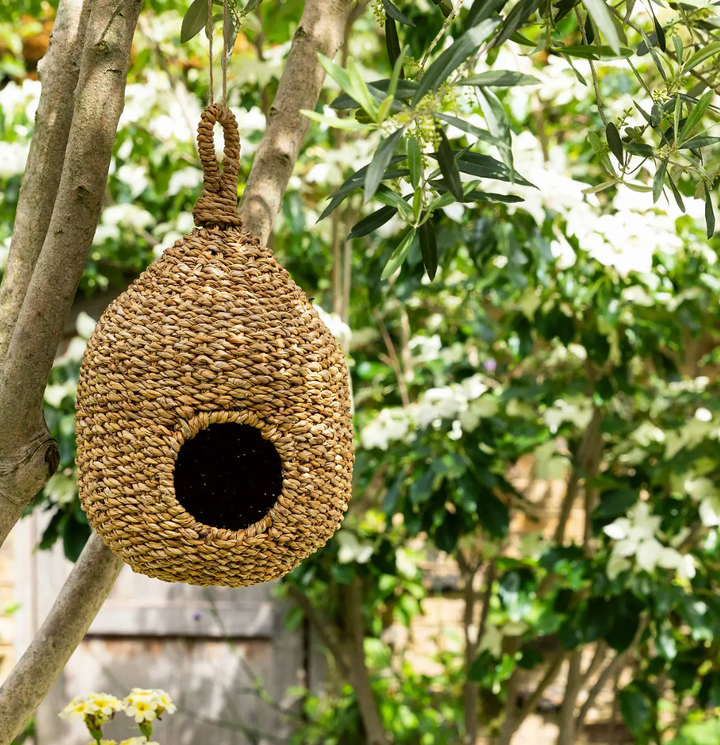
(566, 723)
(320, 31)
(77, 605)
(28, 455)
(359, 675)
(58, 70)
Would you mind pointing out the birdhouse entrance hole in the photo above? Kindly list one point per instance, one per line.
(228, 476)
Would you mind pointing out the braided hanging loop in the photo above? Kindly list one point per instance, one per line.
(218, 203)
(214, 338)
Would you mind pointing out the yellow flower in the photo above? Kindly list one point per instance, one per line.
(137, 741)
(105, 703)
(164, 700)
(148, 704)
(141, 708)
(79, 708)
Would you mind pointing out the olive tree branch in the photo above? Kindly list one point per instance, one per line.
(320, 31)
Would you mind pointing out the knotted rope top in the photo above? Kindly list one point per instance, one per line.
(218, 203)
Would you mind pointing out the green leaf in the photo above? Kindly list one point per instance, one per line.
(677, 43)
(499, 126)
(380, 162)
(676, 194)
(428, 249)
(446, 160)
(659, 180)
(699, 141)
(453, 57)
(337, 73)
(695, 59)
(372, 222)
(395, 13)
(485, 166)
(589, 29)
(516, 18)
(351, 125)
(251, 5)
(379, 89)
(194, 20)
(696, 114)
(499, 79)
(660, 33)
(360, 91)
(481, 10)
(230, 33)
(602, 17)
(709, 214)
(614, 142)
(414, 161)
(639, 148)
(399, 255)
(397, 75)
(355, 181)
(384, 109)
(471, 129)
(635, 710)
(653, 54)
(393, 199)
(392, 41)
(594, 53)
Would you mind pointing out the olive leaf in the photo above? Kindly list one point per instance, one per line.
(194, 20)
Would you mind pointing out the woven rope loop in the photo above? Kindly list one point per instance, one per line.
(218, 203)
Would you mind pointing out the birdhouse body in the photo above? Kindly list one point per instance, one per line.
(214, 425)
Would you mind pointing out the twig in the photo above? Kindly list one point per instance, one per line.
(596, 85)
(325, 634)
(393, 359)
(550, 675)
(610, 669)
(440, 33)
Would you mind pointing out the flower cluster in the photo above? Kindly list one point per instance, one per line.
(147, 704)
(144, 705)
(636, 536)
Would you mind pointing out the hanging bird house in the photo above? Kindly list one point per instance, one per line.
(214, 429)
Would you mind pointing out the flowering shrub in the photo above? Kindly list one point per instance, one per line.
(144, 705)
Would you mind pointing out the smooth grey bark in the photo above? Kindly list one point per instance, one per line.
(321, 30)
(58, 71)
(28, 454)
(77, 605)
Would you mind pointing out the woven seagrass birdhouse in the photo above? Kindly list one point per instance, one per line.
(214, 428)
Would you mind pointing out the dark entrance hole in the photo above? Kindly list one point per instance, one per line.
(228, 476)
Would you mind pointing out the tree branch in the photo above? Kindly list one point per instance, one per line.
(77, 605)
(612, 668)
(550, 675)
(375, 733)
(326, 635)
(29, 455)
(58, 70)
(320, 31)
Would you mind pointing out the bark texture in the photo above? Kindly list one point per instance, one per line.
(28, 455)
(77, 605)
(375, 733)
(321, 30)
(58, 70)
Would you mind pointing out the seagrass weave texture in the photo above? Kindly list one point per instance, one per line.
(213, 332)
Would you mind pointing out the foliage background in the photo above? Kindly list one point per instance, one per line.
(571, 336)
